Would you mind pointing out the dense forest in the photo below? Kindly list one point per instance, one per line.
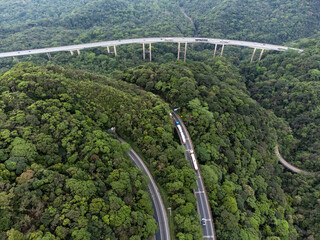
(271, 21)
(63, 173)
(234, 139)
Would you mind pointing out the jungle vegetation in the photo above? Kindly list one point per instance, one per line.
(64, 175)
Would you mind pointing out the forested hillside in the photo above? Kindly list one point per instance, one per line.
(63, 174)
(289, 85)
(35, 24)
(271, 21)
(234, 139)
(87, 21)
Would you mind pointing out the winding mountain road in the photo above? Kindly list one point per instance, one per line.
(161, 213)
(289, 166)
(200, 193)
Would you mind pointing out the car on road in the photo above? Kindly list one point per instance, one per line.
(203, 221)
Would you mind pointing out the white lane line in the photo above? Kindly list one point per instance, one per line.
(198, 192)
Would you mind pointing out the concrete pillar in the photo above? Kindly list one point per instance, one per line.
(261, 54)
(222, 50)
(215, 50)
(15, 58)
(143, 51)
(150, 52)
(71, 52)
(185, 51)
(178, 51)
(254, 51)
(49, 56)
(108, 49)
(78, 51)
(115, 50)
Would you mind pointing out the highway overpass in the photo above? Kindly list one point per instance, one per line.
(148, 41)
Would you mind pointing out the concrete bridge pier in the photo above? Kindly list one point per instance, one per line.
(254, 52)
(183, 51)
(49, 56)
(78, 51)
(16, 59)
(150, 52)
(261, 54)
(143, 51)
(222, 50)
(215, 50)
(71, 52)
(115, 50)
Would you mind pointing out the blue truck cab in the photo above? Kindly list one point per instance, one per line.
(177, 123)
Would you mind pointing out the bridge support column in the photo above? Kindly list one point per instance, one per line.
(215, 50)
(222, 50)
(182, 51)
(254, 52)
(49, 56)
(16, 59)
(78, 51)
(71, 52)
(150, 55)
(185, 51)
(115, 50)
(143, 51)
(261, 54)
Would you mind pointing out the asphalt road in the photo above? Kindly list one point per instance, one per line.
(200, 193)
(160, 210)
(226, 42)
(288, 165)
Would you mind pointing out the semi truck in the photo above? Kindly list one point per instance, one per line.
(183, 138)
(194, 160)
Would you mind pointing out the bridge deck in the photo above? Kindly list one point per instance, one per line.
(148, 40)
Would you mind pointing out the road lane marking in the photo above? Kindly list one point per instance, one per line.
(198, 192)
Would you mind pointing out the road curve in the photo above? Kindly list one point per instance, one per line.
(161, 213)
(264, 46)
(200, 193)
(288, 165)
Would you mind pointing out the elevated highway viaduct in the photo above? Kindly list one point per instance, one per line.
(182, 46)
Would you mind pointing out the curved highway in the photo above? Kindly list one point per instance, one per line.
(216, 41)
(288, 165)
(161, 213)
(200, 193)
